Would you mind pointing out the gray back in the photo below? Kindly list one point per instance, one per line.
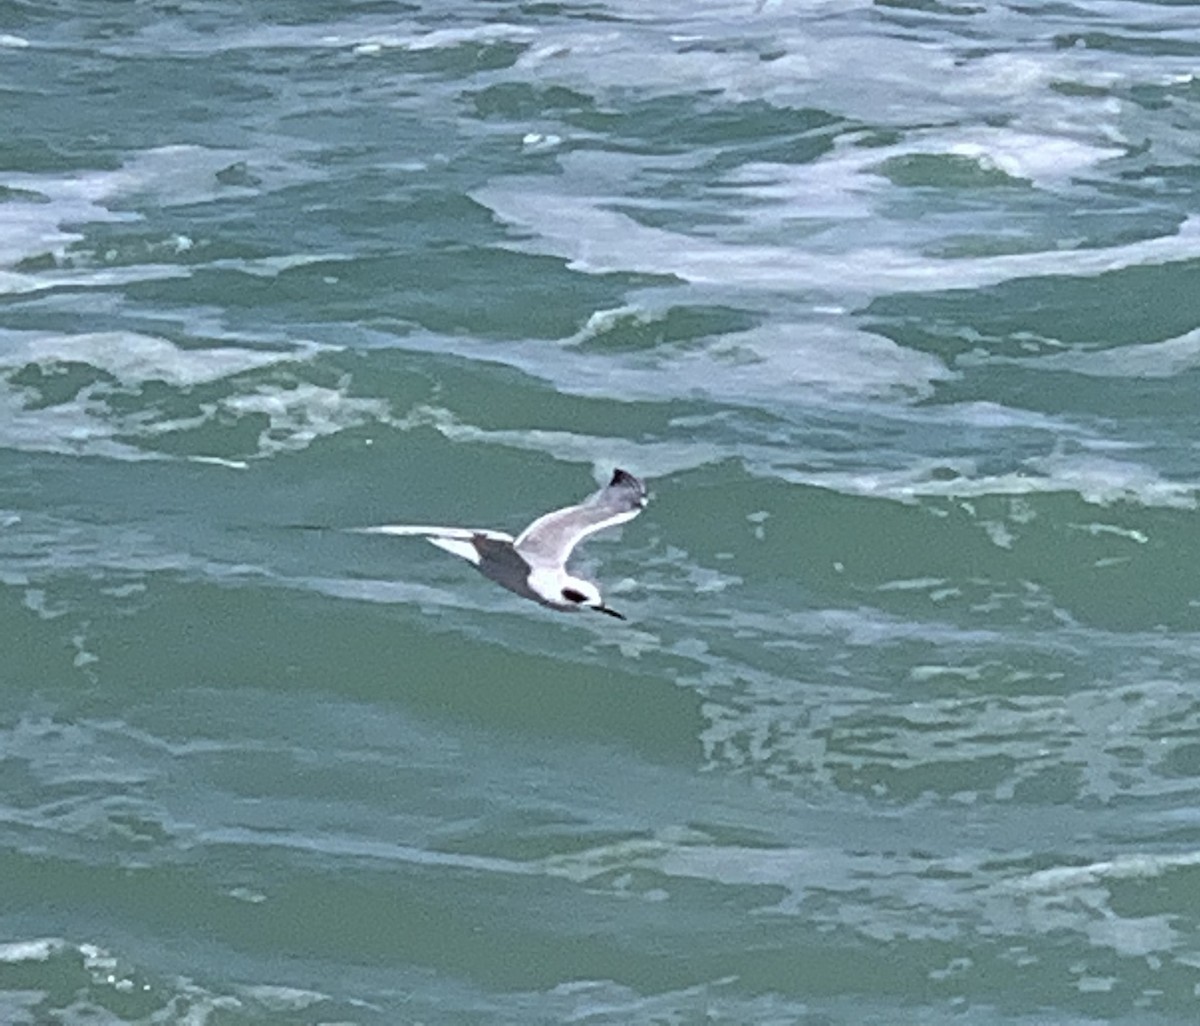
(500, 562)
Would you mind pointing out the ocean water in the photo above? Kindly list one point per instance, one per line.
(896, 305)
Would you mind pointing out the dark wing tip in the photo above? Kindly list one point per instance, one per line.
(624, 479)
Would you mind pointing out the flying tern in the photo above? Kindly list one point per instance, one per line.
(534, 563)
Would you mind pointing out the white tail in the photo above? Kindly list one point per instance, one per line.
(455, 540)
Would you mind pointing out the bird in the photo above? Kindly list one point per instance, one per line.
(534, 563)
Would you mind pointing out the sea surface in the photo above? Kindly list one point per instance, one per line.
(895, 305)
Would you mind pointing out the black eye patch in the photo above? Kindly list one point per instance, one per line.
(571, 595)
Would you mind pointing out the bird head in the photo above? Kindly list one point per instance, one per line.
(580, 594)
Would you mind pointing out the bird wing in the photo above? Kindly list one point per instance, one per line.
(458, 540)
(549, 540)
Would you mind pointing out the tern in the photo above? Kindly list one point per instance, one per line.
(534, 563)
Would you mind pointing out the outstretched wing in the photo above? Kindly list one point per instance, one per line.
(458, 540)
(549, 540)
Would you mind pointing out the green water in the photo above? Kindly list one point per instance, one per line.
(895, 308)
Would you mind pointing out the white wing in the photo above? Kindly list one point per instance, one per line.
(457, 540)
(548, 541)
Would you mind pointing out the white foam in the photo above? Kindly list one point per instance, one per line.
(1114, 530)
(1165, 359)
(1096, 479)
(32, 227)
(784, 362)
(882, 896)
(440, 39)
(655, 459)
(847, 184)
(39, 950)
(1080, 897)
(672, 50)
(171, 175)
(284, 999)
(1038, 158)
(133, 358)
(87, 423)
(299, 415)
(220, 461)
(360, 34)
(1099, 470)
(74, 427)
(1126, 867)
(88, 279)
(186, 174)
(598, 239)
(363, 847)
(274, 266)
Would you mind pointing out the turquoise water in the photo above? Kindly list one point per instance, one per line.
(897, 308)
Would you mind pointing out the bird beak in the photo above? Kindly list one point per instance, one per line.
(610, 612)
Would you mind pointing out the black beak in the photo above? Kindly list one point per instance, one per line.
(610, 612)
